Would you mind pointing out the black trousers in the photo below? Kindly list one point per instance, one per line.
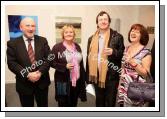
(106, 97)
(69, 101)
(41, 97)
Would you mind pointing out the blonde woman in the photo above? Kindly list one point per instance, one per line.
(70, 73)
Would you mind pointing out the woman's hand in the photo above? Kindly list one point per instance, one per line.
(127, 57)
(130, 60)
(69, 66)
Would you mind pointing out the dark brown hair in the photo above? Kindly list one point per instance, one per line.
(101, 14)
(143, 31)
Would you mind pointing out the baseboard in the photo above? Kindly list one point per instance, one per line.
(14, 81)
(10, 81)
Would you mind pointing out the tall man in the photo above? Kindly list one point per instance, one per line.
(104, 54)
(27, 59)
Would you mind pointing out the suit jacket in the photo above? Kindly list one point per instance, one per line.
(116, 42)
(62, 74)
(19, 63)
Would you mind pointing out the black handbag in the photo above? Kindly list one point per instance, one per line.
(143, 92)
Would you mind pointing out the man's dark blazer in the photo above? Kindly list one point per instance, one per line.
(116, 42)
(18, 61)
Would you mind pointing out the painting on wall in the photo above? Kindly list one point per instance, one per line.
(14, 22)
(115, 24)
(150, 29)
(75, 21)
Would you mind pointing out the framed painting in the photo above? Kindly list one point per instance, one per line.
(14, 23)
(75, 21)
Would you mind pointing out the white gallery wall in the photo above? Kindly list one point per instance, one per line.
(128, 15)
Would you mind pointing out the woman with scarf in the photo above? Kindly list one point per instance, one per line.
(104, 53)
(70, 73)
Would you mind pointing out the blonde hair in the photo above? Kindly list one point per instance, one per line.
(66, 27)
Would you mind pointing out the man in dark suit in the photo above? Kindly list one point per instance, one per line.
(104, 53)
(27, 58)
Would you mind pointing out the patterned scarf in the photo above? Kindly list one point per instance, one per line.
(93, 60)
(74, 73)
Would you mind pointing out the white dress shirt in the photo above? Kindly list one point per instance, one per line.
(26, 43)
(101, 46)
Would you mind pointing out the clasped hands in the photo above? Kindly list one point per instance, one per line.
(34, 76)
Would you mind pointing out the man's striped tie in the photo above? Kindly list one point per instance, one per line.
(31, 52)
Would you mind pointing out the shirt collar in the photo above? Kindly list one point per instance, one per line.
(25, 38)
(101, 35)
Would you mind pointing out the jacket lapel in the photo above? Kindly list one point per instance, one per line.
(23, 50)
(37, 46)
(110, 42)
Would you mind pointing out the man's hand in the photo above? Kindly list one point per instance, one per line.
(108, 51)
